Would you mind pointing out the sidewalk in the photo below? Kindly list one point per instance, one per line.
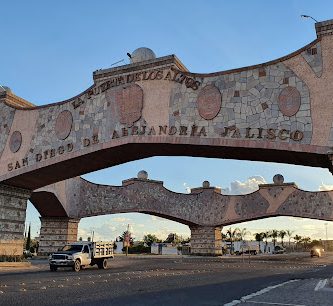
(305, 292)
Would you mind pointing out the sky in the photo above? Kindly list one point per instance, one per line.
(49, 50)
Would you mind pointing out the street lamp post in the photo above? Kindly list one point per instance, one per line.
(307, 16)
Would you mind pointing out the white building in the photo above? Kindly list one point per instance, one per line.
(164, 249)
(249, 245)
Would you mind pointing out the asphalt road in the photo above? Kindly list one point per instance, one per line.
(150, 280)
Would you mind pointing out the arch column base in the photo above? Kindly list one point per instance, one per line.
(13, 205)
(206, 240)
(55, 232)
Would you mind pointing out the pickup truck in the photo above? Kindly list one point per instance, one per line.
(81, 254)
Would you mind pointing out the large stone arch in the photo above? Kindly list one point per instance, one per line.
(205, 210)
(279, 111)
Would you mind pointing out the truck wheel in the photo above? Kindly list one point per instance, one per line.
(77, 265)
(53, 268)
(102, 264)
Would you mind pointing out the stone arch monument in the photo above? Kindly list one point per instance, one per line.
(205, 210)
(279, 111)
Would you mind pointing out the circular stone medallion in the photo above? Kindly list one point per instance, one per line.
(128, 100)
(15, 141)
(209, 102)
(289, 101)
(63, 125)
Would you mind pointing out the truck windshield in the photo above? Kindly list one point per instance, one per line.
(73, 247)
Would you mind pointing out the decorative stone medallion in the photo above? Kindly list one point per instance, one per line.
(209, 102)
(63, 125)
(128, 100)
(15, 141)
(289, 101)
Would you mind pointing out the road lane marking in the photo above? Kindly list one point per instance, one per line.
(270, 303)
(260, 292)
(321, 284)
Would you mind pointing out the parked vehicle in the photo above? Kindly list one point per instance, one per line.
(247, 252)
(279, 250)
(81, 254)
(317, 251)
(246, 247)
(27, 254)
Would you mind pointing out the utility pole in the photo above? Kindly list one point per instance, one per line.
(127, 239)
(326, 247)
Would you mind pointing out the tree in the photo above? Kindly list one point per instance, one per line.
(316, 243)
(34, 245)
(124, 234)
(298, 239)
(232, 236)
(274, 234)
(185, 240)
(282, 234)
(173, 238)
(28, 244)
(241, 233)
(306, 241)
(266, 236)
(259, 237)
(149, 239)
(289, 234)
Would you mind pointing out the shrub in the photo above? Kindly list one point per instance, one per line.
(11, 258)
(138, 249)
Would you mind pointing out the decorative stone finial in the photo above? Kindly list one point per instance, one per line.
(143, 175)
(142, 54)
(205, 184)
(278, 179)
(5, 88)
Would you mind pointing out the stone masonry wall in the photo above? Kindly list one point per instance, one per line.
(204, 207)
(206, 240)
(55, 233)
(13, 203)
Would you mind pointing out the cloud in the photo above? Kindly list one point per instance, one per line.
(248, 186)
(187, 188)
(120, 219)
(324, 187)
(158, 219)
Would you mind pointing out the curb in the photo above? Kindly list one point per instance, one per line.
(8, 264)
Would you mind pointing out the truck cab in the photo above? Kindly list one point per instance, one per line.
(81, 254)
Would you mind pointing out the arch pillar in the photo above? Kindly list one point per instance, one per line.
(206, 240)
(55, 232)
(13, 205)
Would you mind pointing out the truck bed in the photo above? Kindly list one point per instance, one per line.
(102, 249)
